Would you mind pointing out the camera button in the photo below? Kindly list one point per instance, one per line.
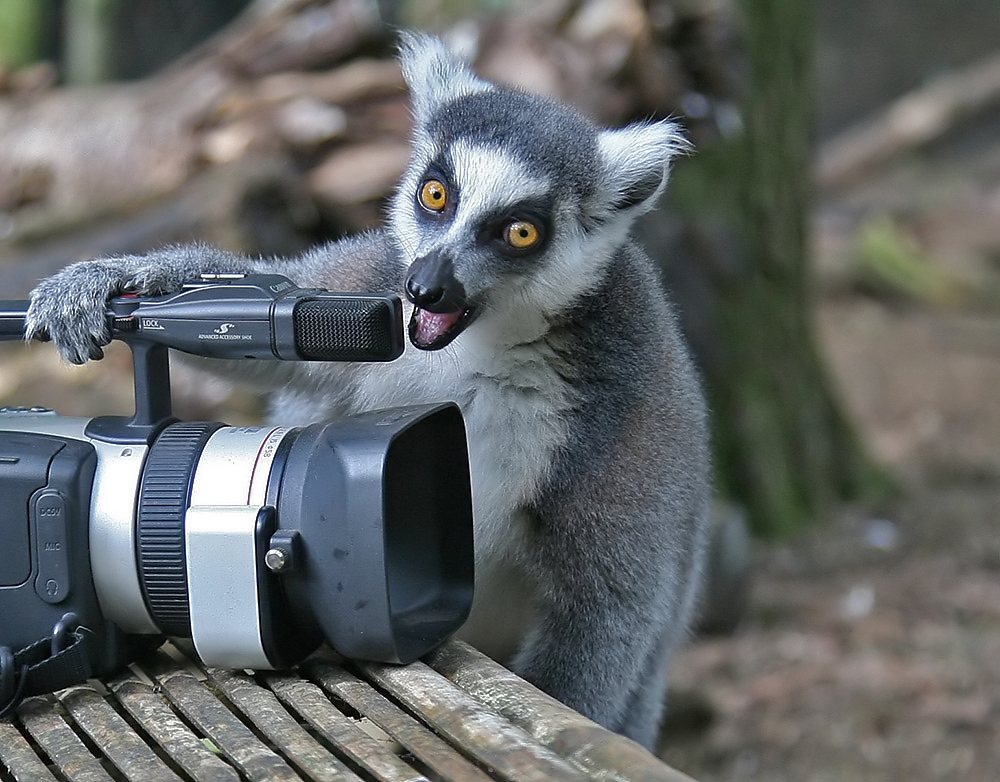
(48, 511)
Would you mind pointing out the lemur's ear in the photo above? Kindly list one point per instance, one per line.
(435, 76)
(636, 161)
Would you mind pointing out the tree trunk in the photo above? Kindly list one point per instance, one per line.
(782, 443)
(736, 260)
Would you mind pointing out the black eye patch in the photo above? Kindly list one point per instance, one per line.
(493, 228)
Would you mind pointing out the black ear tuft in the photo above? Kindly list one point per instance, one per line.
(640, 191)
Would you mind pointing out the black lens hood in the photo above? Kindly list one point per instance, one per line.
(382, 504)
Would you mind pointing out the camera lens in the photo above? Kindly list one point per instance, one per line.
(372, 514)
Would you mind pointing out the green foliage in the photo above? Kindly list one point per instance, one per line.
(20, 31)
(887, 262)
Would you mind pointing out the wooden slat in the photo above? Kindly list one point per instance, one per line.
(262, 707)
(603, 754)
(18, 758)
(309, 701)
(435, 753)
(175, 738)
(60, 742)
(462, 717)
(106, 728)
(493, 740)
(204, 710)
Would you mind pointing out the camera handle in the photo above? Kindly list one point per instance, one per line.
(151, 378)
(151, 373)
(49, 664)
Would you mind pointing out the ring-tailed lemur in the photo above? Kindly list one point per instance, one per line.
(532, 308)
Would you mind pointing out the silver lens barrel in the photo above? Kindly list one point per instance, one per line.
(224, 563)
(113, 536)
(192, 541)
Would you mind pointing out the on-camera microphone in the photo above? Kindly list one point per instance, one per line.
(264, 316)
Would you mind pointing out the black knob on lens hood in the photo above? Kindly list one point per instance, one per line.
(383, 506)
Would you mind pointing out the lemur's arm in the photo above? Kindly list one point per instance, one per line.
(69, 307)
(617, 574)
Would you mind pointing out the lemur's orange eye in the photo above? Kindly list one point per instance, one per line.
(521, 234)
(433, 195)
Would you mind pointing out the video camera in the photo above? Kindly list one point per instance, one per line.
(259, 543)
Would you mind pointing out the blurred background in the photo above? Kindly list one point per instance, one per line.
(833, 244)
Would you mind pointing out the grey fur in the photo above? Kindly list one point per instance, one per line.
(587, 427)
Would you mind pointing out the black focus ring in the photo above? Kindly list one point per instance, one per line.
(163, 501)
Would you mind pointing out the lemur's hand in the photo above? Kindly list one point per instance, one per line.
(69, 307)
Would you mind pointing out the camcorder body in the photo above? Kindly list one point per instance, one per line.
(258, 543)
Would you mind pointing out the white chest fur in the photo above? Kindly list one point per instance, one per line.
(515, 407)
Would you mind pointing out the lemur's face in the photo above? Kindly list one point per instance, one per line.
(481, 221)
(485, 209)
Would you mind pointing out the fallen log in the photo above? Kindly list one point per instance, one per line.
(914, 120)
(73, 154)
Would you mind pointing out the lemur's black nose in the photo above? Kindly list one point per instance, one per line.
(424, 296)
(432, 286)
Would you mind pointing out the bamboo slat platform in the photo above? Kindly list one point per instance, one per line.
(457, 716)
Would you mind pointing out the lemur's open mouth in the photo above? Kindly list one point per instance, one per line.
(433, 330)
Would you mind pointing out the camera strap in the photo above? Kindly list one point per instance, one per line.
(52, 663)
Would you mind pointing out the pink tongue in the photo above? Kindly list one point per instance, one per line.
(431, 325)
